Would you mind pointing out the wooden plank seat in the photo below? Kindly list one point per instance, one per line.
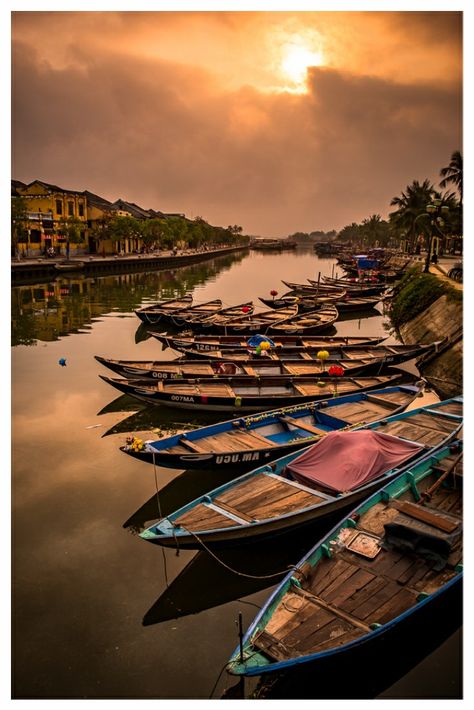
(192, 445)
(435, 519)
(382, 401)
(408, 430)
(301, 424)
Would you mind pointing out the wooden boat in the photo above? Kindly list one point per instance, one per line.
(245, 442)
(335, 473)
(153, 313)
(207, 308)
(352, 288)
(308, 323)
(356, 284)
(353, 361)
(209, 343)
(217, 394)
(71, 265)
(245, 323)
(310, 303)
(188, 318)
(387, 568)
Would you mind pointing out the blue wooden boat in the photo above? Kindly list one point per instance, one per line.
(243, 443)
(379, 574)
(332, 475)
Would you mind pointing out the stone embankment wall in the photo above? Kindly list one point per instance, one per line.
(443, 319)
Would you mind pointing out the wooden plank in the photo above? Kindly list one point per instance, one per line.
(334, 610)
(332, 590)
(379, 400)
(203, 518)
(339, 640)
(431, 421)
(282, 505)
(304, 622)
(286, 614)
(325, 572)
(248, 489)
(347, 588)
(427, 516)
(192, 445)
(451, 408)
(234, 511)
(251, 434)
(271, 647)
(329, 632)
(360, 596)
(395, 606)
(376, 600)
(301, 424)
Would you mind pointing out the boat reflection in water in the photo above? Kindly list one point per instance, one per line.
(208, 581)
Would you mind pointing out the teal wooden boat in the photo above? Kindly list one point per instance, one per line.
(330, 476)
(389, 568)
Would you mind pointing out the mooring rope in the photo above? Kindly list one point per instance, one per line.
(231, 569)
(221, 562)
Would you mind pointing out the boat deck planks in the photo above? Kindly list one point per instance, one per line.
(201, 517)
(343, 595)
(422, 435)
(452, 408)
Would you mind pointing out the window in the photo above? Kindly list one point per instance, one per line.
(59, 207)
(81, 209)
(70, 208)
(35, 236)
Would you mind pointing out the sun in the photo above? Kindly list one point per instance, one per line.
(296, 61)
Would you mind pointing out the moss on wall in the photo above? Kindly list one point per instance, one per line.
(415, 293)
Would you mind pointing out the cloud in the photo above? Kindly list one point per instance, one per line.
(167, 135)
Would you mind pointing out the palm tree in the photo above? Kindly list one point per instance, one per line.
(452, 174)
(410, 205)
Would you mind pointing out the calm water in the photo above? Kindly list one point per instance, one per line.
(99, 613)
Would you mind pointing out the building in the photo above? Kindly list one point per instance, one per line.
(49, 210)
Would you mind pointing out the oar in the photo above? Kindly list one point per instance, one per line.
(426, 496)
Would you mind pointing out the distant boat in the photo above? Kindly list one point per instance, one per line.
(154, 312)
(333, 474)
(310, 303)
(72, 265)
(243, 443)
(391, 566)
(352, 288)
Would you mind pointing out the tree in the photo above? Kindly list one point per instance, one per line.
(411, 204)
(453, 174)
(70, 227)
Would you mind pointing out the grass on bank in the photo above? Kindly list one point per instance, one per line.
(415, 292)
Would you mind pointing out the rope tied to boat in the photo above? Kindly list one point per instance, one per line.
(234, 571)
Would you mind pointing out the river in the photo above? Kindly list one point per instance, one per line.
(97, 612)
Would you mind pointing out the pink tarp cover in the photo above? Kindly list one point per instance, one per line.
(343, 461)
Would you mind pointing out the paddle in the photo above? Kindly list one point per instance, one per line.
(426, 496)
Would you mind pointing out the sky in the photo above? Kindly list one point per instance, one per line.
(277, 121)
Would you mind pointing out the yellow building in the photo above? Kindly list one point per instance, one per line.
(47, 206)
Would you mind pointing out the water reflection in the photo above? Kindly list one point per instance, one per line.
(210, 580)
(83, 584)
(67, 305)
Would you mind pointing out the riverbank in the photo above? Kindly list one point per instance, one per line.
(427, 308)
(31, 270)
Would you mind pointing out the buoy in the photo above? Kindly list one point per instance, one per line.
(62, 361)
